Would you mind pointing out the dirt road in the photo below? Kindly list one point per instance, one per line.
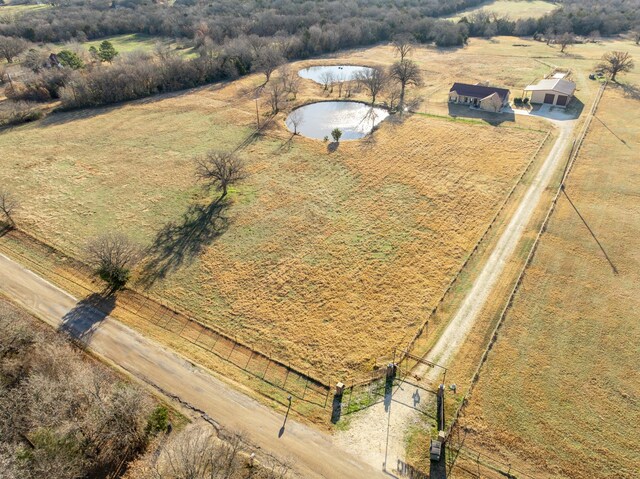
(312, 452)
(377, 434)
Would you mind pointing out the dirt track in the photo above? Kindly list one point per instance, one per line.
(377, 434)
(312, 452)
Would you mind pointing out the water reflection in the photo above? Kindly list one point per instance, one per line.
(317, 120)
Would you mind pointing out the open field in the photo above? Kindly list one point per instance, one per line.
(129, 43)
(514, 9)
(19, 9)
(137, 42)
(329, 260)
(559, 394)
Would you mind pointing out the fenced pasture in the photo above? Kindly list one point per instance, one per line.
(564, 357)
(321, 258)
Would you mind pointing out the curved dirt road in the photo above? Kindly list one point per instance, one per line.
(377, 434)
(311, 452)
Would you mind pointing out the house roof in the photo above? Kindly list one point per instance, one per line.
(478, 91)
(560, 85)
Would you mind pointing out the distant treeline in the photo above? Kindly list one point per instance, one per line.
(318, 27)
(233, 38)
(321, 26)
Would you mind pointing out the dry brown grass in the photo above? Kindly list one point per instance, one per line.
(559, 395)
(329, 260)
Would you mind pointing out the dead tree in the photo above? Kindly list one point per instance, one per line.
(616, 62)
(327, 79)
(11, 47)
(374, 80)
(8, 205)
(290, 81)
(565, 40)
(113, 255)
(220, 169)
(276, 91)
(403, 45)
(405, 72)
(268, 59)
(296, 118)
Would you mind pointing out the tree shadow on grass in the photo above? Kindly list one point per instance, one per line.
(180, 242)
(85, 317)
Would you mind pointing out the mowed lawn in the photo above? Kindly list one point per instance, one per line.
(560, 393)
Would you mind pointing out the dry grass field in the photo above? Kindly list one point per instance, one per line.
(326, 259)
(560, 395)
(329, 260)
(514, 9)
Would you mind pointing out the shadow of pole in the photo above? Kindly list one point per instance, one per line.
(613, 267)
(612, 132)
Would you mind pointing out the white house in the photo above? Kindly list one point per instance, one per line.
(552, 91)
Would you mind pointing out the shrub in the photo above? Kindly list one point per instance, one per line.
(15, 113)
(158, 420)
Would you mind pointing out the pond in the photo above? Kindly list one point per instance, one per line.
(339, 73)
(318, 120)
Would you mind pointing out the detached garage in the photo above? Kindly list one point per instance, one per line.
(552, 91)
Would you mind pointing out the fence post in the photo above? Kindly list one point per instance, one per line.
(250, 356)
(350, 394)
(267, 368)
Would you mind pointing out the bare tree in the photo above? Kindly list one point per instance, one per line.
(549, 35)
(113, 255)
(8, 205)
(220, 169)
(268, 59)
(636, 36)
(276, 91)
(565, 40)
(196, 453)
(340, 81)
(327, 79)
(374, 80)
(405, 72)
(296, 118)
(616, 62)
(11, 47)
(403, 45)
(290, 81)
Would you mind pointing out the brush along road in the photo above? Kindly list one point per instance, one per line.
(311, 452)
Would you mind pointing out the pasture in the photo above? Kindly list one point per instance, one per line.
(329, 259)
(558, 396)
(514, 9)
(134, 42)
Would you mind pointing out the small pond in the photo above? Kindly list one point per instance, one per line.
(318, 120)
(339, 73)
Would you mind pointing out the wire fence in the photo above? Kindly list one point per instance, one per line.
(286, 377)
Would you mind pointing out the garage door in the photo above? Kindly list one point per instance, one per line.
(562, 100)
(549, 97)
